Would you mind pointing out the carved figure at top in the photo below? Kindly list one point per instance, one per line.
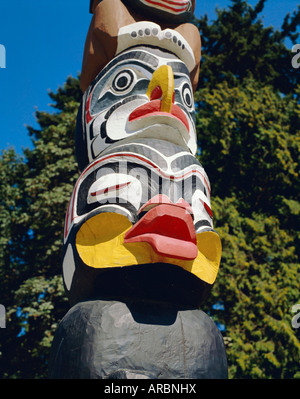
(143, 92)
(109, 16)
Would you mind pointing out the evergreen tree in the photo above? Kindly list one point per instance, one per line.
(252, 157)
(248, 131)
(237, 46)
(35, 191)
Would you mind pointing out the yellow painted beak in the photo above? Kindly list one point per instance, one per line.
(163, 78)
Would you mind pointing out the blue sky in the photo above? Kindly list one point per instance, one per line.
(44, 43)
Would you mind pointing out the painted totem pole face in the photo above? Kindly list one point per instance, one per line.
(146, 202)
(143, 92)
(142, 199)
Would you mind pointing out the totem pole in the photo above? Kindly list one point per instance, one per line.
(140, 254)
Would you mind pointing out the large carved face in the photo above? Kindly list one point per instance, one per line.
(143, 92)
(147, 202)
(143, 200)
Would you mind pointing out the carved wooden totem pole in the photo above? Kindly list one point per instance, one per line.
(140, 254)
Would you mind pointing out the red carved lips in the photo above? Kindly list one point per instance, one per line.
(167, 227)
(153, 108)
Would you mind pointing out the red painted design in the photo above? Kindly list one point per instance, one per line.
(156, 93)
(108, 189)
(207, 208)
(169, 5)
(88, 116)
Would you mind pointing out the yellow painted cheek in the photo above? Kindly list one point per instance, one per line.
(100, 244)
(99, 240)
(208, 260)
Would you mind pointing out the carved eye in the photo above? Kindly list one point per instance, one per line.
(108, 189)
(115, 188)
(123, 81)
(187, 96)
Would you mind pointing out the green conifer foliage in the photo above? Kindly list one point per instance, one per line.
(248, 131)
(35, 190)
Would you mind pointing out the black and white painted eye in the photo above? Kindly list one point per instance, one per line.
(115, 188)
(123, 81)
(187, 96)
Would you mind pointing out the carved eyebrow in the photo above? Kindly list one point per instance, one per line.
(138, 54)
(179, 67)
(146, 57)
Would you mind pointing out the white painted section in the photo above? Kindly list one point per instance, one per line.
(68, 267)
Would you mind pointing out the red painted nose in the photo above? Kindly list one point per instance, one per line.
(167, 227)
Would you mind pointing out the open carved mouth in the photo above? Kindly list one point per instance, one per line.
(168, 228)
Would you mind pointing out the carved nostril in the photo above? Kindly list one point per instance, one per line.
(156, 93)
(162, 79)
